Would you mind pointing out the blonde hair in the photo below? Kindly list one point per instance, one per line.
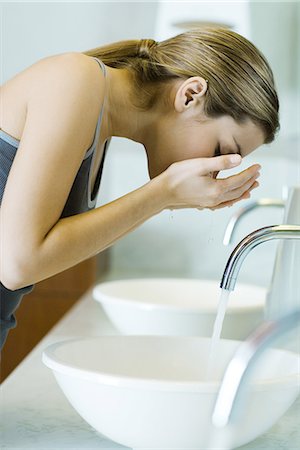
(240, 80)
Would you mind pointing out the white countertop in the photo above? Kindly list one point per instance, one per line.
(35, 414)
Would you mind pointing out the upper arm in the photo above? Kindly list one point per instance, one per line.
(60, 123)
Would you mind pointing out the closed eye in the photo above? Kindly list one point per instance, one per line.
(218, 152)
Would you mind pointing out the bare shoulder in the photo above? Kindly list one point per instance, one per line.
(71, 72)
(72, 79)
(70, 66)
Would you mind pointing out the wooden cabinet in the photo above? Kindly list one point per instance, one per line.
(44, 306)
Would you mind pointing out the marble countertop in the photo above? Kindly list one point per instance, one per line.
(35, 414)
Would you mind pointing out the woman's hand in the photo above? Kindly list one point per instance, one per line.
(191, 183)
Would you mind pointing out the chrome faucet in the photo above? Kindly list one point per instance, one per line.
(243, 362)
(253, 239)
(263, 202)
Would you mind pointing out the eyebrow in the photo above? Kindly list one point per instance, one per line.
(238, 147)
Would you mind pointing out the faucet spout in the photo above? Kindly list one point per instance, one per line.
(240, 366)
(253, 239)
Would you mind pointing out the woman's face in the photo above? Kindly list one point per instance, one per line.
(185, 133)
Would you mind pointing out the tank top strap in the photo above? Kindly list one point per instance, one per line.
(98, 127)
(101, 64)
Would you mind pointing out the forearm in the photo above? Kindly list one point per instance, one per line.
(184, 184)
(76, 238)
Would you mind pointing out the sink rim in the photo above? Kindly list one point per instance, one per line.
(122, 381)
(145, 305)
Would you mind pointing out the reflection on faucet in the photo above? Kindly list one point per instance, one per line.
(263, 202)
(242, 363)
(253, 239)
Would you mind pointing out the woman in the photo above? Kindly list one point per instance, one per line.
(192, 100)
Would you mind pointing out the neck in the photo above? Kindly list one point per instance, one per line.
(121, 118)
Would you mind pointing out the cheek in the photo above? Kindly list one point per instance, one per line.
(178, 146)
(192, 147)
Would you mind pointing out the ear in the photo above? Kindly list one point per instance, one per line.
(189, 93)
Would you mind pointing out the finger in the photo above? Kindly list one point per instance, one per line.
(238, 180)
(228, 204)
(255, 185)
(219, 163)
(236, 193)
(228, 196)
(244, 196)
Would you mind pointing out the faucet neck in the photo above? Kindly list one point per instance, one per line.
(253, 239)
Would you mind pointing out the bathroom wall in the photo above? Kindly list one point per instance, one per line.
(275, 31)
(34, 30)
(175, 17)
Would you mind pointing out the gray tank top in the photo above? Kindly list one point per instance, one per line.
(79, 200)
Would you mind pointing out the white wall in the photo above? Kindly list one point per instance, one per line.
(275, 31)
(174, 16)
(34, 30)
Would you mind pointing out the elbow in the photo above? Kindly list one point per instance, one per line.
(13, 276)
(10, 283)
(10, 286)
(17, 258)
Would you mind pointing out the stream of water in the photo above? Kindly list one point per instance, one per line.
(217, 333)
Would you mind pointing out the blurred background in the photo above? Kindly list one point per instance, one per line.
(184, 243)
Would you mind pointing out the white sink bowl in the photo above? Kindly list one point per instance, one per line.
(149, 392)
(179, 307)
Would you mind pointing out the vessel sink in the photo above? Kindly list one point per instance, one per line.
(151, 392)
(182, 307)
